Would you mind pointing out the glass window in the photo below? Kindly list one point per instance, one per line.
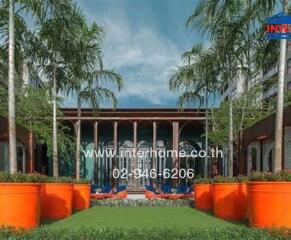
(289, 66)
(4, 156)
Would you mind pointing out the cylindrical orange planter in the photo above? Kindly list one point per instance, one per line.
(56, 200)
(20, 205)
(230, 200)
(81, 196)
(203, 196)
(269, 204)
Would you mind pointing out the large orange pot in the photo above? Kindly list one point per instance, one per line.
(230, 200)
(269, 204)
(203, 196)
(20, 205)
(81, 196)
(56, 200)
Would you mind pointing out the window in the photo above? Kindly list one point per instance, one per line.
(289, 66)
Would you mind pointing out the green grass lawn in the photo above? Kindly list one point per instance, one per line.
(175, 218)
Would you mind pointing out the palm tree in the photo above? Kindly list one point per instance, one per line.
(11, 92)
(280, 103)
(85, 73)
(17, 44)
(50, 50)
(209, 16)
(230, 26)
(187, 81)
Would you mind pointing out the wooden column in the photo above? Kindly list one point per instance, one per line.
(30, 153)
(115, 142)
(96, 170)
(175, 144)
(134, 164)
(154, 159)
(115, 136)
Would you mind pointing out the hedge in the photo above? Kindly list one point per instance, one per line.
(142, 203)
(235, 233)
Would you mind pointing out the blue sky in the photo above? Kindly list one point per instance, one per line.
(144, 40)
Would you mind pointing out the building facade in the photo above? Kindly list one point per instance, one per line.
(258, 145)
(267, 78)
(123, 130)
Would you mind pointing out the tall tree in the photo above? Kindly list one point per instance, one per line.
(195, 80)
(232, 27)
(280, 103)
(85, 56)
(49, 50)
(11, 92)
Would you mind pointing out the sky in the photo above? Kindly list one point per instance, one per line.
(144, 41)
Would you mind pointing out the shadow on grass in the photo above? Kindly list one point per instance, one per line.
(236, 222)
(44, 222)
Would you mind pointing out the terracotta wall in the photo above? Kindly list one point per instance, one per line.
(23, 136)
(263, 130)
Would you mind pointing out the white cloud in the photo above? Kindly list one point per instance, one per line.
(143, 57)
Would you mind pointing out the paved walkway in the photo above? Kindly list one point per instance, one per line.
(135, 196)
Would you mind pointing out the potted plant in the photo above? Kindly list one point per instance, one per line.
(57, 198)
(203, 194)
(19, 200)
(230, 197)
(81, 194)
(269, 199)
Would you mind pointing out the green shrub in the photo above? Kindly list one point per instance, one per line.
(141, 203)
(49, 179)
(242, 179)
(238, 179)
(31, 178)
(234, 233)
(81, 181)
(282, 176)
(202, 180)
(21, 178)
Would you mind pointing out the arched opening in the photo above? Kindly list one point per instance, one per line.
(125, 163)
(190, 161)
(107, 161)
(268, 156)
(270, 161)
(20, 157)
(253, 159)
(162, 162)
(143, 163)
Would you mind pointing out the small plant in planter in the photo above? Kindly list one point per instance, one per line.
(202, 180)
(230, 197)
(57, 198)
(20, 200)
(269, 195)
(81, 194)
(203, 194)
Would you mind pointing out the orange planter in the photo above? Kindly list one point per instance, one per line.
(230, 200)
(81, 196)
(203, 196)
(56, 200)
(269, 204)
(20, 205)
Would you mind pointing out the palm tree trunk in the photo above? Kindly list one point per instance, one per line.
(55, 130)
(230, 136)
(280, 104)
(11, 92)
(206, 136)
(78, 139)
